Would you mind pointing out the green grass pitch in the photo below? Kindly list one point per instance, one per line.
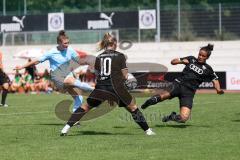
(30, 131)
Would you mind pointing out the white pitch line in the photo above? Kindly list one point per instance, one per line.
(25, 113)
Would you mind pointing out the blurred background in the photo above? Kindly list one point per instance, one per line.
(149, 31)
(179, 20)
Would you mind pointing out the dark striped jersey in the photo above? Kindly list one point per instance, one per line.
(108, 66)
(195, 73)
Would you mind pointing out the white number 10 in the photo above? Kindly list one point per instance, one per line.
(106, 66)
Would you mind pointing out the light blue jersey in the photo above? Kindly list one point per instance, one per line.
(56, 58)
(61, 65)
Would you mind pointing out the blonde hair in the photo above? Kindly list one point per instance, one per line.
(61, 35)
(108, 40)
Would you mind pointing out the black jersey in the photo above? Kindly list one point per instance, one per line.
(108, 66)
(195, 73)
(3, 77)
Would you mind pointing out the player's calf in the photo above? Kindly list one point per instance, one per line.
(75, 117)
(151, 101)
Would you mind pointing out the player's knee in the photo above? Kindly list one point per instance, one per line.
(85, 108)
(131, 107)
(164, 96)
(184, 118)
(69, 81)
(185, 113)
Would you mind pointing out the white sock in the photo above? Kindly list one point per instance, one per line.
(78, 100)
(83, 85)
(65, 128)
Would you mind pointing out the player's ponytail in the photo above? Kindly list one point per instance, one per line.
(208, 49)
(61, 35)
(108, 40)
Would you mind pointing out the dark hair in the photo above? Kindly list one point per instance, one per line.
(208, 49)
(61, 35)
(108, 40)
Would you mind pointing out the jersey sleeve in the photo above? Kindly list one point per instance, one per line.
(211, 75)
(74, 55)
(189, 58)
(122, 61)
(44, 57)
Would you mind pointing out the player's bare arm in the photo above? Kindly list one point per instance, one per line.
(176, 61)
(217, 87)
(34, 62)
(125, 73)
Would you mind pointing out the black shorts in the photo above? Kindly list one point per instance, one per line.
(3, 77)
(107, 92)
(184, 94)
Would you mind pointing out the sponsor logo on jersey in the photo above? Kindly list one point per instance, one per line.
(196, 69)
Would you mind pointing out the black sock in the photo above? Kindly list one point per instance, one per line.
(139, 119)
(153, 100)
(76, 116)
(4, 96)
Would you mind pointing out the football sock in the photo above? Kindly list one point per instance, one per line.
(153, 100)
(78, 100)
(76, 116)
(83, 85)
(65, 128)
(4, 96)
(139, 119)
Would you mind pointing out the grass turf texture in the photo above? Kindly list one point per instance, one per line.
(30, 130)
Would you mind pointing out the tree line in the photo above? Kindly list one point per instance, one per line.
(71, 6)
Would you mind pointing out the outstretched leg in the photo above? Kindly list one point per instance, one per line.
(139, 118)
(79, 113)
(71, 81)
(156, 99)
(76, 95)
(74, 88)
(75, 117)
